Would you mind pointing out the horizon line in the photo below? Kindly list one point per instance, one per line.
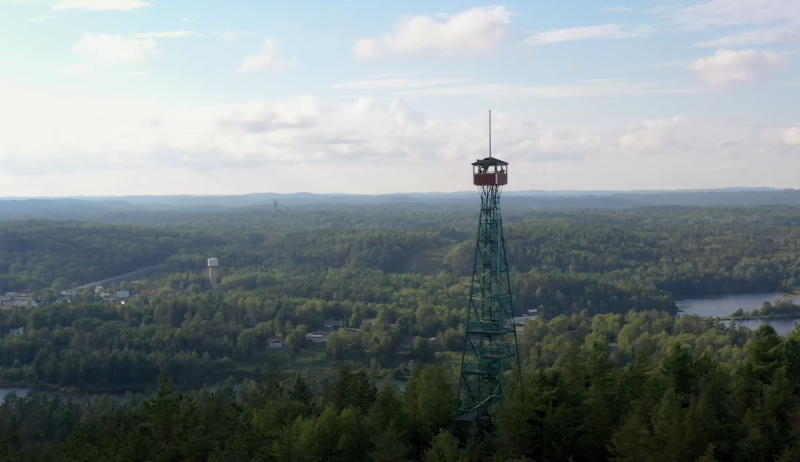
(549, 191)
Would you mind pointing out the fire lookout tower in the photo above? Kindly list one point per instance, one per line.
(490, 351)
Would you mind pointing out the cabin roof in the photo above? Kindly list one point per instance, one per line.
(488, 161)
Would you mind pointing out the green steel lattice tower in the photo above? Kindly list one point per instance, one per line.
(490, 356)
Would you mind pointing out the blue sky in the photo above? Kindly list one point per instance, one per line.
(185, 97)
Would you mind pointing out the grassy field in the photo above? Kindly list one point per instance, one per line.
(313, 358)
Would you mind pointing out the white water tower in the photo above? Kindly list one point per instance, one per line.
(213, 270)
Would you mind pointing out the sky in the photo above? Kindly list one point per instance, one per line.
(118, 97)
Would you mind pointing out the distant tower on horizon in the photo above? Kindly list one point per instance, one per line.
(213, 270)
(275, 204)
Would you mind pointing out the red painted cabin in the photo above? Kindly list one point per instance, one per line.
(490, 172)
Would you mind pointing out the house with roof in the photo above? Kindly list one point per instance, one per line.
(123, 294)
(21, 303)
(528, 315)
(276, 344)
(18, 331)
(407, 343)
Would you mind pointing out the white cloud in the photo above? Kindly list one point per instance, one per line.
(617, 9)
(229, 36)
(477, 30)
(607, 31)
(121, 5)
(266, 60)
(115, 49)
(169, 34)
(651, 136)
(756, 37)
(792, 136)
(727, 67)
(74, 145)
(723, 13)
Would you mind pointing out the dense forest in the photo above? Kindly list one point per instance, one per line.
(685, 390)
(609, 372)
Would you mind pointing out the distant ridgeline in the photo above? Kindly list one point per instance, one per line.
(153, 209)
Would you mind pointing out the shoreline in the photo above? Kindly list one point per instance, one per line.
(749, 318)
(733, 294)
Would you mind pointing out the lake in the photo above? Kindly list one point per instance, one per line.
(725, 305)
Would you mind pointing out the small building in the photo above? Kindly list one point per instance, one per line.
(69, 293)
(18, 331)
(123, 294)
(98, 289)
(318, 337)
(407, 343)
(528, 315)
(521, 320)
(276, 344)
(333, 323)
(21, 303)
(368, 322)
(612, 347)
(64, 299)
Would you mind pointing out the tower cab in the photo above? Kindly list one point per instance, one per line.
(490, 172)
